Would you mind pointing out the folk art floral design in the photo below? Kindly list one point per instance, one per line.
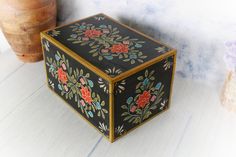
(54, 33)
(99, 18)
(149, 97)
(168, 63)
(119, 86)
(119, 130)
(106, 42)
(76, 84)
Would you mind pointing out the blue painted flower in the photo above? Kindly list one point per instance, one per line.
(98, 105)
(57, 57)
(90, 114)
(103, 26)
(129, 100)
(146, 81)
(133, 56)
(158, 85)
(59, 87)
(90, 83)
(108, 57)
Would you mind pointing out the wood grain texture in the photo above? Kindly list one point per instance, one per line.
(40, 124)
(22, 22)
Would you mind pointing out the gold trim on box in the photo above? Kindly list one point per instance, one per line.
(111, 80)
(111, 113)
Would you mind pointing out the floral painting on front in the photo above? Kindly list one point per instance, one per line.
(76, 85)
(148, 94)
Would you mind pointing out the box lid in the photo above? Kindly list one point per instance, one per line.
(113, 48)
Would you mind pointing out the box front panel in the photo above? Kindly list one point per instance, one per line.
(142, 95)
(78, 86)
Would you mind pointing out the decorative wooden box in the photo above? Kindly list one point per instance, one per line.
(114, 76)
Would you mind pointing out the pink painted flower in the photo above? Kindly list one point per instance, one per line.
(133, 109)
(85, 38)
(104, 50)
(82, 102)
(82, 81)
(66, 88)
(63, 65)
(153, 98)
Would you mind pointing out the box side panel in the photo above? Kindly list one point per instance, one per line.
(80, 87)
(143, 95)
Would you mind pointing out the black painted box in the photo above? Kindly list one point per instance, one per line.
(114, 76)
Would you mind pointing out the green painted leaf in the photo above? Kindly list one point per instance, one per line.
(124, 107)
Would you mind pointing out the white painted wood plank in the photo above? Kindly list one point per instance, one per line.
(8, 64)
(19, 86)
(196, 125)
(44, 126)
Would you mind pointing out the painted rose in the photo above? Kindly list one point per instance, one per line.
(143, 99)
(92, 33)
(62, 76)
(119, 48)
(86, 95)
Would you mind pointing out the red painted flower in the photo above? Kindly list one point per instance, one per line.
(62, 76)
(143, 99)
(86, 95)
(119, 48)
(92, 33)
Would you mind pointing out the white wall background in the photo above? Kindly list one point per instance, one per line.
(197, 28)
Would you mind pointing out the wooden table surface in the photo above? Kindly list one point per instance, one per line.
(36, 123)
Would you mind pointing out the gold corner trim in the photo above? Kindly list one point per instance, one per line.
(44, 60)
(77, 57)
(111, 113)
(172, 79)
(143, 66)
